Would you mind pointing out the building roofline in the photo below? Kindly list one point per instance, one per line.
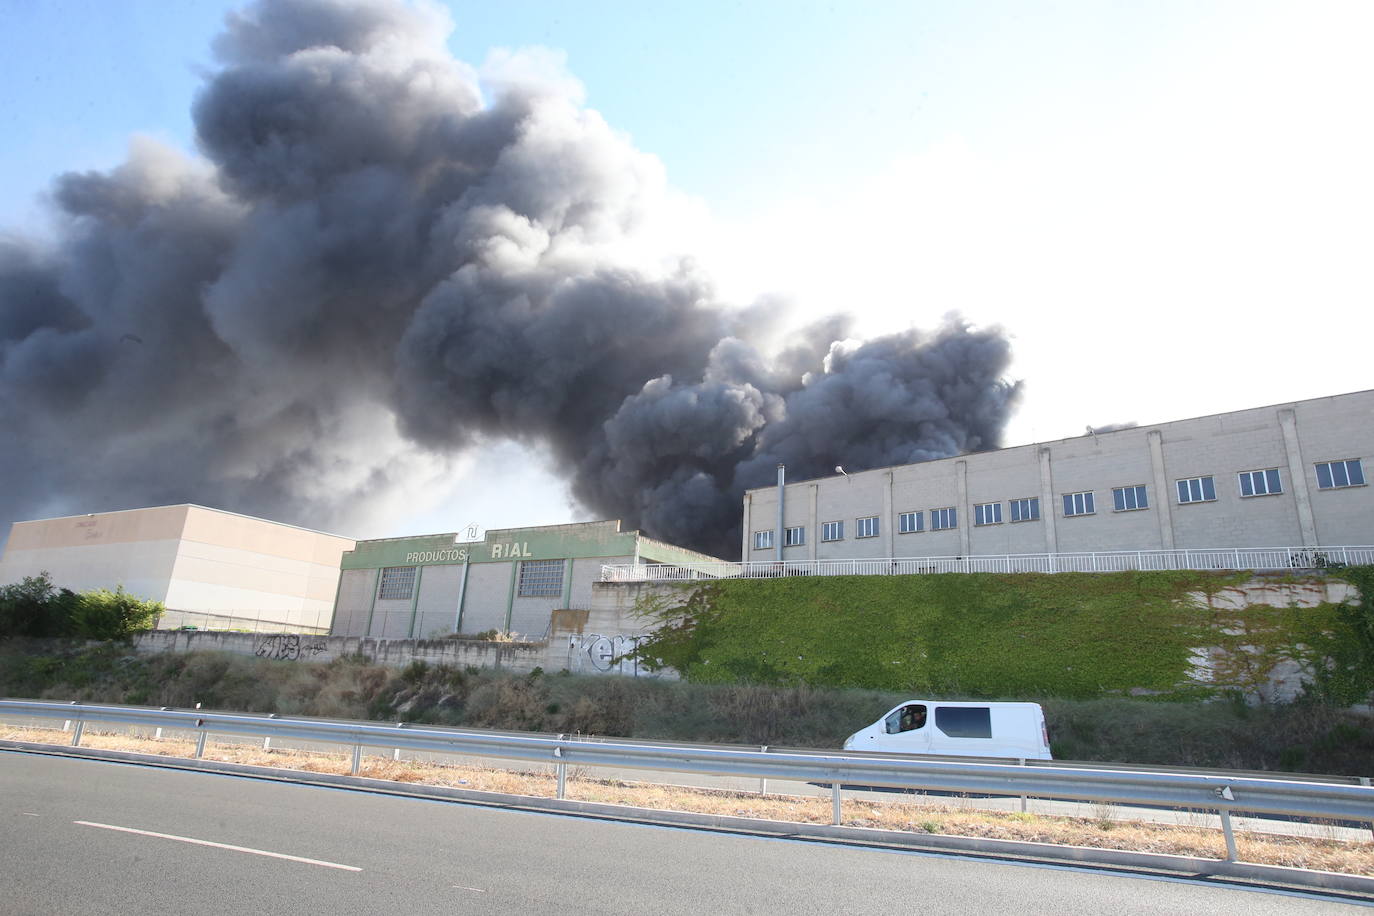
(58, 518)
(487, 532)
(1111, 432)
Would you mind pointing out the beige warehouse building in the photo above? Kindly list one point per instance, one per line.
(209, 567)
(1285, 475)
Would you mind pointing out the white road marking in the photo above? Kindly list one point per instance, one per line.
(30, 814)
(186, 839)
(463, 887)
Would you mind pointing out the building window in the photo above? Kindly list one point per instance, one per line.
(941, 519)
(793, 537)
(987, 514)
(398, 583)
(832, 531)
(763, 539)
(541, 579)
(1196, 490)
(1334, 474)
(1079, 504)
(1125, 499)
(1025, 510)
(911, 522)
(1260, 483)
(866, 527)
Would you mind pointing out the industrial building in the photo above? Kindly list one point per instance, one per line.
(210, 568)
(1285, 475)
(511, 581)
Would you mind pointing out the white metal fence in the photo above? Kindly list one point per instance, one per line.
(1221, 558)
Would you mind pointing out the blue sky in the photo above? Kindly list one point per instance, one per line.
(1166, 204)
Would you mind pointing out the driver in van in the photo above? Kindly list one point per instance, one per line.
(913, 717)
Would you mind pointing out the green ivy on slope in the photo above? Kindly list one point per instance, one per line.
(1345, 674)
(1068, 634)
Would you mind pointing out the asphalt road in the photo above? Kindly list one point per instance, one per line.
(83, 836)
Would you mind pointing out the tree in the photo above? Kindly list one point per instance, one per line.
(37, 608)
(34, 607)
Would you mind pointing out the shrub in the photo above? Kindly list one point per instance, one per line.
(105, 614)
(37, 608)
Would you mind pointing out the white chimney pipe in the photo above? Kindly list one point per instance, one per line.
(782, 475)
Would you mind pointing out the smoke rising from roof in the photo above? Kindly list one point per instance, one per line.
(373, 267)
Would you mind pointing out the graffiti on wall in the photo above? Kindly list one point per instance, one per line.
(606, 654)
(289, 647)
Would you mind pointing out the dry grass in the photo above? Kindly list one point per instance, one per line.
(1104, 830)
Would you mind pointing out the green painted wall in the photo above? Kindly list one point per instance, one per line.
(554, 542)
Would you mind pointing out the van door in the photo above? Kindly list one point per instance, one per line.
(907, 730)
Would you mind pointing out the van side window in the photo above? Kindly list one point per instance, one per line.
(908, 718)
(964, 721)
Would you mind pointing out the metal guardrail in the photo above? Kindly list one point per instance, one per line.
(1223, 794)
(1216, 558)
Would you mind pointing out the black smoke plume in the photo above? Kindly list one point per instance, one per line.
(374, 266)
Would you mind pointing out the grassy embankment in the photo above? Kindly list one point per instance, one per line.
(1302, 737)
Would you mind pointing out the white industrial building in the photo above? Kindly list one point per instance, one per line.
(1286, 475)
(210, 568)
(511, 581)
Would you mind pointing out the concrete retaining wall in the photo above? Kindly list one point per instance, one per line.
(592, 640)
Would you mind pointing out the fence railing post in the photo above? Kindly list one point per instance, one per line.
(835, 803)
(763, 780)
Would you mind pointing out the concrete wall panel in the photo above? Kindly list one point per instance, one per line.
(437, 611)
(488, 590)
(355, 602)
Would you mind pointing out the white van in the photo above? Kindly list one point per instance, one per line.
(961, 729)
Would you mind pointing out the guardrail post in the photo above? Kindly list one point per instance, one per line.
(76, 733)
(763, 780)
(1022, 762)
(200, 739)
(357, 759)
(835, 803)
(562, 768)
(1364, 781)
(1229, 833)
